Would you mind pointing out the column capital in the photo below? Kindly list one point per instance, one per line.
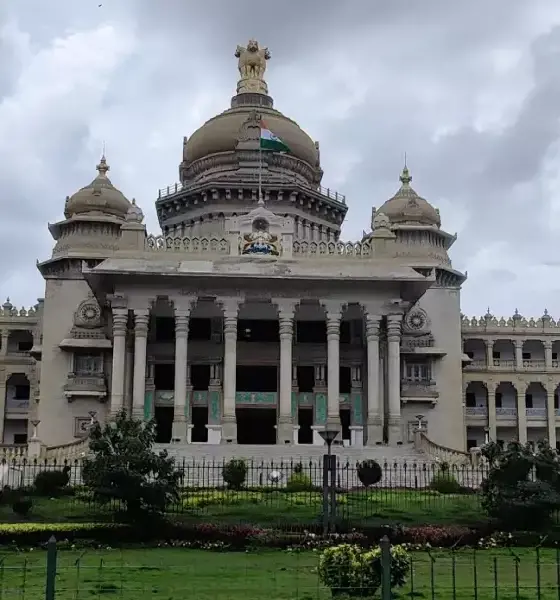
(373, 323)
(118, 301)
(333, 309)
(182, 305)
(286, 307)
(120, 321)
(547, 345)
(518, 343)
(230, 305)
(181, 324)
(394, 323)
(141, 321)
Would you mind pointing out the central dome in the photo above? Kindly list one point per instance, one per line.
(222, 132)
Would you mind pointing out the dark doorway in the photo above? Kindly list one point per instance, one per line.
(256, 425)
(164, 423)
(164, 376)
(305, 421)
(251, 378)
(199, 431)
(345, 422)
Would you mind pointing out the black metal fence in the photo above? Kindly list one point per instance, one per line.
(285, 493)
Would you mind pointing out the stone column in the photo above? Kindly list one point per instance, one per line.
(356, 407)
(120, 320)
(489, 353)
(548, 354)
(128, 373)
(141, 322)
(181, 412)
(551, 415)
(374, 404)
(2, 401)
(333, 311)
(491, 388)
(394, 378)
(230, 307)
(519, 355)
(521, 414)
(285, 428)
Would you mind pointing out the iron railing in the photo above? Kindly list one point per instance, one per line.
(163, 573)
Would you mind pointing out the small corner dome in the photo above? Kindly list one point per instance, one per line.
(406, 207)
(99, 197)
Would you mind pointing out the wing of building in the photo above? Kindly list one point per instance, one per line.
(249, 321)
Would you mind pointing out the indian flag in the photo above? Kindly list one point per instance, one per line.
(269, 141)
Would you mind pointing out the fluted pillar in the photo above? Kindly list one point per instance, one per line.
(333, 311)
(519, 355)
(180, 427)
(230, 307)
(120, 320)
(285, 427)
(522, 413)
(394, 378)
(491, 387)
(141, 322)
(548, 354)
(374, 404)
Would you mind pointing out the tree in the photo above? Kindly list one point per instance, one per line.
(522, 490)
(124, 467)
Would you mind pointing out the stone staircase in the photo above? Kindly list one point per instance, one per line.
(403, 466)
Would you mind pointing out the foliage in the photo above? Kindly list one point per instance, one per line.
(369, 472)
(235, 473)
(124, 467)
(445, 482)
(299, 482)
(356, 572)
(22, 506)
(52, 483)
(522, 489)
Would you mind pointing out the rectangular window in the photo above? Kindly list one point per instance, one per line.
(21, 392)
(470, 399)
(471, 444)
(528, 400)
(526, 355)
(496, 355)
(555, 356)
(20, 438)
(418, 372)
(88, 364)
(498, 399)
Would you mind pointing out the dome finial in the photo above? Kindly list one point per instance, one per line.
(405, 177)
(252, 65)
(103, 167)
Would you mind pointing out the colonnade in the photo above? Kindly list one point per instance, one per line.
(286, 307)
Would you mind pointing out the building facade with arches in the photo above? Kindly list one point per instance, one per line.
(248, 320)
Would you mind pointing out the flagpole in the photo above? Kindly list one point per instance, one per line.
(260, 201)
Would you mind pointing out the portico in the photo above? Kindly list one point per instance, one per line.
(216, 364)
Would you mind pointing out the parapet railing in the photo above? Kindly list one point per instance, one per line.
(177, 187)
(437, 452)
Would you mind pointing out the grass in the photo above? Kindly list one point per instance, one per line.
(276, 508)
(165, 574)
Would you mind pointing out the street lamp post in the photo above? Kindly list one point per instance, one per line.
(329, 479)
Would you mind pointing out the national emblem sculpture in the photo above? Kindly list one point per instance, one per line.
(260, 241)
(252, 66)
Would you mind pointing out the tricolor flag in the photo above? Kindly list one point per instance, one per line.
(269, 141)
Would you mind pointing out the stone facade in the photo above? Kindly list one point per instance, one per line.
(249, 321)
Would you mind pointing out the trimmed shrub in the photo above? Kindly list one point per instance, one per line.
(298, 482)
(445, 482)
(369, 472)
(51, 483)
(235, 473)
(348, 569)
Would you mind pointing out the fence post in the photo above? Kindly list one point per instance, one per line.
(385, 546)
(51, 569)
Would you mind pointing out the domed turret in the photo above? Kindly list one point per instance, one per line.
(99, 197)
(406, 207)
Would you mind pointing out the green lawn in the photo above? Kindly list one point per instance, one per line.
(375, 507)
(170, 574)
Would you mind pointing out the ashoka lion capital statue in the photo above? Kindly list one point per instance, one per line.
(252, 66)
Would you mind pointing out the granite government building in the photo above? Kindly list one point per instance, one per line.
(248, 321)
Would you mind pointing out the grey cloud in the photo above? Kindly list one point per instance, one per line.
(401, 70)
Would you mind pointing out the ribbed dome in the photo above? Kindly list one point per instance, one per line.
(406, 207)
(221, 134)
(100, 196)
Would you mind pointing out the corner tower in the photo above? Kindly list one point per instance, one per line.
(223, 167)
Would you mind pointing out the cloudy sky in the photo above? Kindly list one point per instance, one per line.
(469, 90)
